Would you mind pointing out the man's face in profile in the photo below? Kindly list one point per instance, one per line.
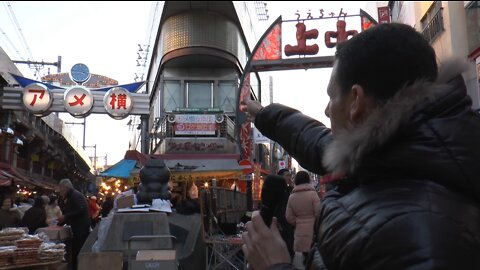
(63, 190)
(337, 108)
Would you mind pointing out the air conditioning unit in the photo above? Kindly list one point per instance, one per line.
(219, 118)
(171, 118)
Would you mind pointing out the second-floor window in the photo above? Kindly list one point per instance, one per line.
(200, 94)
(173, 95)
(432, 22)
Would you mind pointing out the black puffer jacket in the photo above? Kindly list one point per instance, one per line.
(415, 169)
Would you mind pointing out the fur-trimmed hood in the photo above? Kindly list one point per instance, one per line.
(430, 124)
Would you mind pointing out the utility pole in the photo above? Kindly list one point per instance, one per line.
(58, 64)
(95, 156)
(84, 128)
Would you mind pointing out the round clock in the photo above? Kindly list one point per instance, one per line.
(80, 73)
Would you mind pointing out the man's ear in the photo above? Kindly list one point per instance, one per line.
(358, 104)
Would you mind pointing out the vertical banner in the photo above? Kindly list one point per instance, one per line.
(257, 189)
(383, 15)
(267, 48)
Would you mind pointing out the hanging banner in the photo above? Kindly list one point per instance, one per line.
(271, 36)
(257, 189)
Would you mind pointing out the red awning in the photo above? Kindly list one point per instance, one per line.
(44, 184)
(18, 178)
(4, 181)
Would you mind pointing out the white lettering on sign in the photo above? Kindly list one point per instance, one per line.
(195, 118)
(118, 102)
(195, 146)
(36, 98)
(78, 101)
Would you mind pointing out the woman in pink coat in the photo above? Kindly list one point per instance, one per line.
(303, 205)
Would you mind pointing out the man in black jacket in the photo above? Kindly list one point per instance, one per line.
(287, 231)
(404, 144)
(75, 214)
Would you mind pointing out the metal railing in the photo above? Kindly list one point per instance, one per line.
(435, 27)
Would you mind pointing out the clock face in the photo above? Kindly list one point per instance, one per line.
(80, 73)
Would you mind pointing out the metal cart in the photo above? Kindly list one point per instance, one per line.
(153, 259)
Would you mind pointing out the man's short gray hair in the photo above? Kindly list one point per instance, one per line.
(66, 183)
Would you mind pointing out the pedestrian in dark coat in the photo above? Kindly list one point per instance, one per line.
(36, 216)
(9, 215)
(286, 229)
(107, 206)
(75, 214)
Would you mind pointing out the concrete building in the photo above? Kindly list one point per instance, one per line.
(451, 27)
(198, 51)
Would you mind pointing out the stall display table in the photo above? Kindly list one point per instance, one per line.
(225, 252)
(60, 234)
(35, 266)
(56, 233)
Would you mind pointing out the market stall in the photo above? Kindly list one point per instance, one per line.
(18, 250)
(122, 175)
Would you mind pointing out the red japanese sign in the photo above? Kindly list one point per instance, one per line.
(78, 101)
(195, 128)
(118, 102)
(271, 47)
(383, 15)
(37, 98)
(302, 48)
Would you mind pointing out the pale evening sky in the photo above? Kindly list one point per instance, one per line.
(104, 36)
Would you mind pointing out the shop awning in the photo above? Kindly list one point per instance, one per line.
(43, 184)
(184, 169)
(121, 169)
(9, 174)
(205, 165)
(18, 179)
(4, 181)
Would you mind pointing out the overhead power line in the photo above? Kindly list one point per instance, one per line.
(13, 47)
(19, 29)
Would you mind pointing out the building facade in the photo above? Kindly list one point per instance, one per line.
(198, 50)
(451, 27)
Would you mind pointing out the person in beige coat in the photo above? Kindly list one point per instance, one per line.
(303, 205)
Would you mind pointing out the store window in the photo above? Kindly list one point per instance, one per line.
(174, 97)
(432, 22)
(199, 94)
(225, 96)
